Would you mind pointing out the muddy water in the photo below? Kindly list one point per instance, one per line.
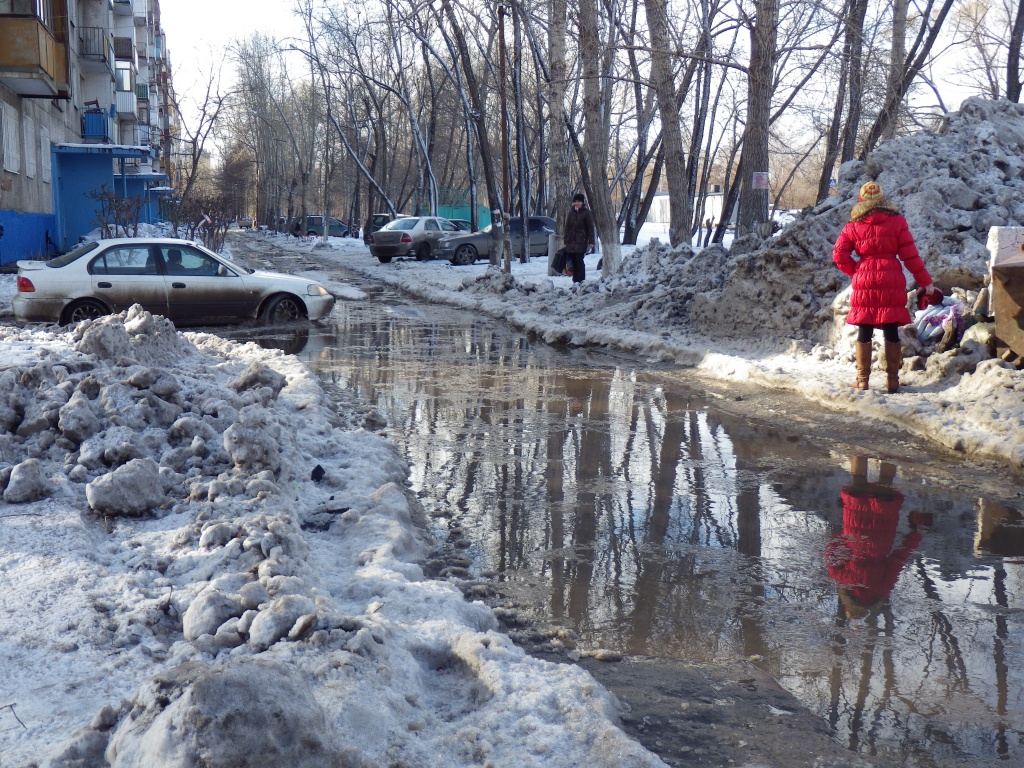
(650, 516)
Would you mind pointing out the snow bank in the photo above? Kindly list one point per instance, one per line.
(180, 590)
(952, 184)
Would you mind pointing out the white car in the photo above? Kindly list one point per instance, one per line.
(175, 278)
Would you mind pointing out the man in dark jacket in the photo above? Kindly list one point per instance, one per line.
(578, 235)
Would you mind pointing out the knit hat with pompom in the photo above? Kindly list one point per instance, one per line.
(871, 198)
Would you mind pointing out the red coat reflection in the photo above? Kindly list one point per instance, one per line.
(862, 559)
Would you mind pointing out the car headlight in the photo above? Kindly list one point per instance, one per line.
(317, 290)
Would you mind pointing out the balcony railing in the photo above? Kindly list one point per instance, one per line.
(97, 126)
(95, 45)
(126, 103)
(124, 48)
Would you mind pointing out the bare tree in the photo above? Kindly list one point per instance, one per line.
(199, 118)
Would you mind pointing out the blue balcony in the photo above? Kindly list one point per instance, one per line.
(97, 126)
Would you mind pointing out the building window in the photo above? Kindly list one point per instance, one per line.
(44, 153)
(124, 79)
(29, 126)
(9, 132)
(41, 9)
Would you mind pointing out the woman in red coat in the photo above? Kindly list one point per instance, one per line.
(884, 245)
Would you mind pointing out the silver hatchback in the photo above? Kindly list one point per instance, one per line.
(178, 279)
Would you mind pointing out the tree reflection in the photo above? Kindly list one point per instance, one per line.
(657, 523)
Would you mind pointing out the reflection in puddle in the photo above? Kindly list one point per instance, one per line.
(651, 522)
(862, 559)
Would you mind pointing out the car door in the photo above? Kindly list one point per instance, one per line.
(539, 232)
(202, 289)
(432, 232)
(123, 275)
(515, 232)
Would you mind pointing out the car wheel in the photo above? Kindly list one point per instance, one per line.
(283, 309)
(423, 252)
(464, 255)
(384, 259)
(311, 233)
(83, 309)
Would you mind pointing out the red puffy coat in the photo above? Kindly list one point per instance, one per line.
(879, 287)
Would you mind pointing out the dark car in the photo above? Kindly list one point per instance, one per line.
(466, 248)
(315, 227)
(374, 223)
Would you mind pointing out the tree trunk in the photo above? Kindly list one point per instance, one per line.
(754, 160)
(832, 139)
(1013, 80)
(597, 135)
(896, 59)
(671, 135)
(478, 102)
(556, 119)
(855, 64)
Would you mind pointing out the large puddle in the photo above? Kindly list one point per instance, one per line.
(882, 590)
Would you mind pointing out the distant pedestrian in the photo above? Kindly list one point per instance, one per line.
(578, 236)
(882, 240)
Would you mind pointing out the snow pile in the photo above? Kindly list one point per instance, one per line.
(201, 567)
(952, 185)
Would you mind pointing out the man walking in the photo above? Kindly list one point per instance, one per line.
(578, 236)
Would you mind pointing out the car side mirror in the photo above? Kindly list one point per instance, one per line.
(222, 271)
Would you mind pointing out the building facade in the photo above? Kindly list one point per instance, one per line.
(85, 103)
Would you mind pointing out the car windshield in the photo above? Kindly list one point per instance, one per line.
(74, 253)
(401, 224)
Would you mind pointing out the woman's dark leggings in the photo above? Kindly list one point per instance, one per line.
(579, 268)
(889, 330)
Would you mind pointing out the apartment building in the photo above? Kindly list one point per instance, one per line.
(85, 101)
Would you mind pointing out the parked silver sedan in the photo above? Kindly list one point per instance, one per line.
(409, 236)
(175, 278)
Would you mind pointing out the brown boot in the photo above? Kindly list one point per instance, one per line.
(863, 353)
(893, 361)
